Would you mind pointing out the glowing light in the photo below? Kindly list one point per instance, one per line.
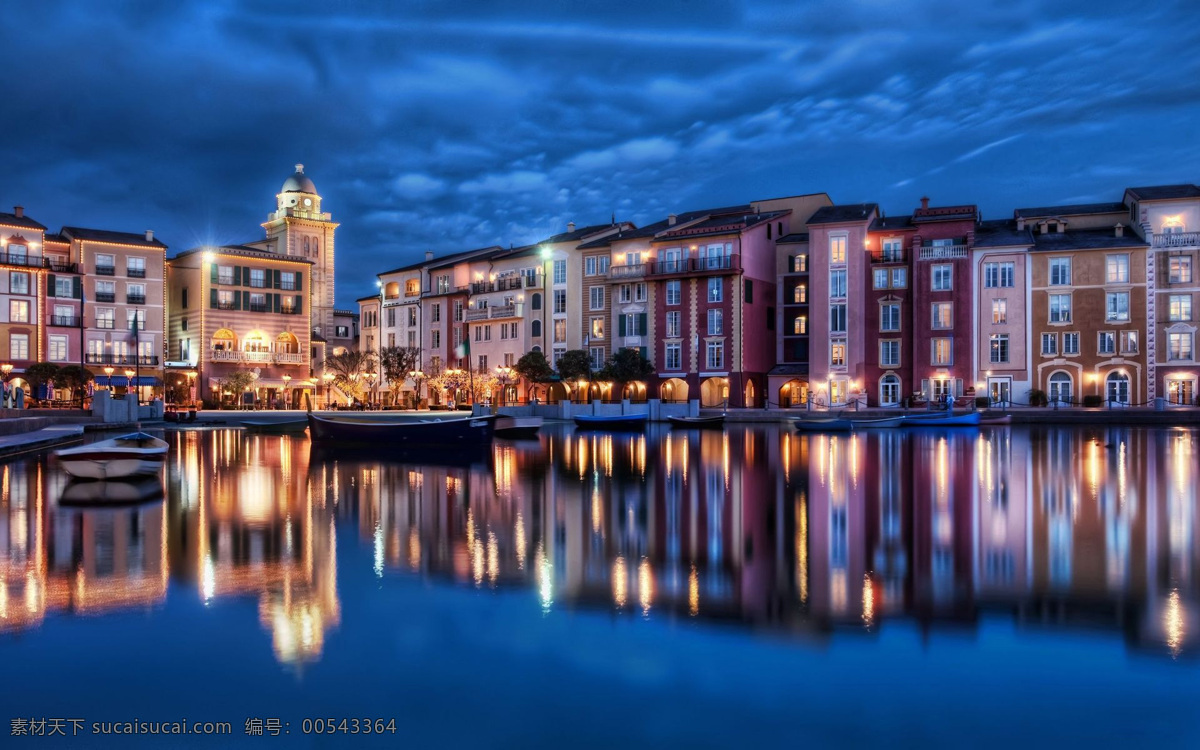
(597, 511)
(802, 548)
(378, 550)
(620, 585)
(693, 593)
(208, 580)
(493, 558)
(1173, 623)
(645, 585)
(519, 540)
(545, 577)
(868, 598)
(414, 549)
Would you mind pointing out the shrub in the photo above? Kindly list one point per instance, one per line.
(1037, 397)
(1093, 400)
(982, 402)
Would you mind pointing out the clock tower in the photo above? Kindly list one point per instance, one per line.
(298, 227)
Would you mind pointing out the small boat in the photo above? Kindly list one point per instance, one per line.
(615, 422)
(276, 427)
(697, 422)
(885, 423)
(970, 419)
(995, 419)
(112, 491)
(133, 455)
(517, 428)
(407, 434)
(824, 425)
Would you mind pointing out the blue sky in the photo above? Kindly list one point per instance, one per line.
(445, 126)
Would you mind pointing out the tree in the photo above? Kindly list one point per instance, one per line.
(482, 384)
(236, 383)
(347, 369)
(39, 375)
(450, 380)
(533, 368)
(395, 363)
(627, 366)
(75, 378)
(575, 364)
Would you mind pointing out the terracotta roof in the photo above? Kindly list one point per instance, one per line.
(843, 214)
(12, 220)
(115, 238)
(1076, 209)
(1164, 192)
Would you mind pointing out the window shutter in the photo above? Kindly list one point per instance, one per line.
(213, 301)
(642, 351)
(246, 276)
(50, 279)
(298, 309)
(237, 275)
(749, 292)
(621, 326)
(237, 300)
(299, 281)
(77, 288)
(277, 281)
(791, 266)
(641, 324)
(214, 273)
(275, 301)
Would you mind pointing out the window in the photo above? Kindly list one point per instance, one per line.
(673, 292)
(1070, 343)
(435, 313)
(943, 315)
(479, 333)
(560, 272)
(889, 317)
(800, 325)
(1179, 346)
(135, 294)
(800, 294)
(18, 346)
(412, 315)
(560, 331)
(1107, 343)
(1129, 342)
(1060, 308)
(715, 355)
(18, 311)
(674, 358)
(64, 287)
(639, 292)
(889, 353)
(1116, 306)
(105, 264)
(673, 324)
(899, 278)
(837, 318)
(1049, 344)
(893, 250)
(943, 351)
(999, 311)
(106, 291)
(596, 354)
(598, 327)
(258, 303)
(18, 282)
(837, 353)
(560, 301)
(458, 311)
(105, 318)
(997, 274)
(287, 281)
(881, 278)
(626, 293)
(1060, 387)
(595, 297)
(443, 284)
(837, 284)
(589, 266)
(1060, 271)
(136, 319)
(535, 329)
(58, 349)
(837, 250)
(800, 264)
(483, 363)
(1180, 269)
(257, 278)
(1117, 269)
(998, 349)
(503, 331)
(224, 274)
(64, 315)
(943, 278)
(714, 290)
(714, 323)
(391, 316)
(602, 265)
(435, 338)
(1179, 307)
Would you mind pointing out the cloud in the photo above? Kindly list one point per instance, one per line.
(416, 186)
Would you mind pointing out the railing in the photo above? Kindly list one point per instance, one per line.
(480, 314)
(290, 358)
(62, 267)
(106, 296)
(482, 287)
(288, 286)
(941, 252)
(888, 256)
(14, 259)
(694, 265)
(256, 356)
(289, 310)
(224, 305)
(223, 279)
(66, 321)
(532, 281)
(107, 325)
(92, 358)
(106, 270)
(507, 283)
(1177, 239)
(634, 271)
(505, 311)
(135, 273)
(148, 360)
(224, 355)
(259, 307)
(135, 299)
(413, 293)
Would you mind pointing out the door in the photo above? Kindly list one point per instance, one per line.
(673, 260)
(1180, 392)
(1118, 388)
(999, 391)
(889, 391)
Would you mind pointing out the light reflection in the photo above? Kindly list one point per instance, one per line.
(620, 584)
(645, 585)
(693, 593)
(1173, 623)
(868, 602)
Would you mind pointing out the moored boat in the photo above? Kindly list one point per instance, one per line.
(614, 422)
(970, 419)
(824, 425)
(697, 422)
(407, 434)
(276, 427)
(517, 428)
(884, 423)
(133, 455)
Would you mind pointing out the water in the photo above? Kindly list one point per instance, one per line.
(753, 587)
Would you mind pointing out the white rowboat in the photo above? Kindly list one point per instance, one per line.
(133, 455)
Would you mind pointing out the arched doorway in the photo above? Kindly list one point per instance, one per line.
(287, 343)
(1059, 388)
(1117, 387)
(793, 393)
(556, 392)
(674, 390)
(256, 346)
(714, 392)
(889, 390)
(749, 395)
(224, 340)
(635, 392)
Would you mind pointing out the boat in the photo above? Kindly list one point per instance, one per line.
(878, 424)
(276, 427)
(824, 425)
(133, 455)
(615, 422)
(969, 419)
(995, 419)
(402, 433)
(517, 428)
(697, 422)
(112, 491)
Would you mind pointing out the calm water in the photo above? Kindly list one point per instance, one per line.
(751, 587)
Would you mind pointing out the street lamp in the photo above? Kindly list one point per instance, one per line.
(129, 374)
(504, 374)
(6, 369)
(371, 377)
(417, 377)
(191, 377)
(328, 378)
(108, 371)
(287, 402)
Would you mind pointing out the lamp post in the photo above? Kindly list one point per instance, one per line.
(454, 374)
(129, 374)
(328, 378)
(371, 377)
(191, 377)
(417, 377)
(108, 371)
(287, 402)
(6, 369)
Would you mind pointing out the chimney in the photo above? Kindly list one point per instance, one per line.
(570, 226)
(1020, 222)
(925, 202)
(428, 255)
(19, 211)
(1119, 230)
(149, 235)
(671, 220)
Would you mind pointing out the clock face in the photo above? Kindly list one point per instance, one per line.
(308, 201)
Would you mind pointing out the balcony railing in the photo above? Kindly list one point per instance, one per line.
(104, 324)
(634, 271)
(135, 273)
(286, 310)
(106, 296)
(15, 259)
(1177, 239)
(257, 356)
(506, 311)
(224, 305)
(482, 287)
(290, 358)
(888, 256)
(225, 279)
(694, 266)
(480, 314)
(106, 270)
(224, 355)
(532, 280)
(287, 286)
(92, 358)
(942, 252)
(65, 321)
(507, 283)
(259, 307)
(135, 299)
(62, 267)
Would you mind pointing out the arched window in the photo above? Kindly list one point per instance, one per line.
(889, 390)
(316, 245)
(535, 302)
(224, 340)
(536, 329)
(1059, 388)
(1118, 387)
(306, 246)
(536, 349)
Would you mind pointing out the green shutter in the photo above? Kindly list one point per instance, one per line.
(246, 277)
(237, 300)
(214, 273)
(77, 288)
(213, 304)
(621, 326)
(642, 350)
(299, 308)
(299, 281)
(749, 292)
(237, 275)
(50, 279)
(276, 278)
(641, 324)
(275, 303)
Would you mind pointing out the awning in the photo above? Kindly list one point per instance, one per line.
(122, 381)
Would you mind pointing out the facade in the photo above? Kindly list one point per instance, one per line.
(788, 380)
(499, 312)
(888, 315)
(1002, 355)
(344, 334)
(22, 324)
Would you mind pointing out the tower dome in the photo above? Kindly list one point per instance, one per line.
(299, 183)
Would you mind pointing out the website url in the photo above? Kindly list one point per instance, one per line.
(162, 727)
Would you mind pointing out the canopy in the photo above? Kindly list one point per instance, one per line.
(121, 380)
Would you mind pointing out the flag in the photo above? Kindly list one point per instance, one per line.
(463, 350)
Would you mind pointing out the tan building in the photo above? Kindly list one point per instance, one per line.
(242, 308)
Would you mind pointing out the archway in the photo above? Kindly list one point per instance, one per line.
(255, 341)
(674, 390)
(1117, 387)
(793, 393)
(392, 290)
(749, 394)
(556, 392)
(1060, 387)
(287, 343)
(889, 390)
(224, 340)
(714, 392)
(635, 392)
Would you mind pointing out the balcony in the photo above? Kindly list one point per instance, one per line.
(286, 310)
(226, 279)
(532, 280)
(943, 252)
(62, 267)
(694, 266)
(15, 259)
(1177, 239)
(635, 271)
(106, 270)
(146, 360)
(507, 311)
(224, 355)
(64, 321)
(888, 256)
(135, 273)
(105, 324)
(482, 287)
(264, 357)
(480, 314)
(106, 296)
(135, 299)
(287, 286)
(290, 358)
(225, 306)
(508, 283)
(259, 307)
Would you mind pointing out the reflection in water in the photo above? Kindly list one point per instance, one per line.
(1057, 528)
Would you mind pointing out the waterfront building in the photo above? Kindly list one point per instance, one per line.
(344, 336)
(1168, 218)
(22, 318)
(570, 280)
(500, 308)
(1001, 358)
(369, 340)
(888, 312)
(1087, 312)
(788, 379)
(443, 314)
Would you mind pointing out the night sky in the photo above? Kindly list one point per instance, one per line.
(451, 125)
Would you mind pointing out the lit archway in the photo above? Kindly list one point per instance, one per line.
(793, 393)
(674, 390)
(889, 390)
(749, 394)
(287, 343)
(1116, 387)
(256, 341)
(224, 340)
(556, 392)
(714, 392)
